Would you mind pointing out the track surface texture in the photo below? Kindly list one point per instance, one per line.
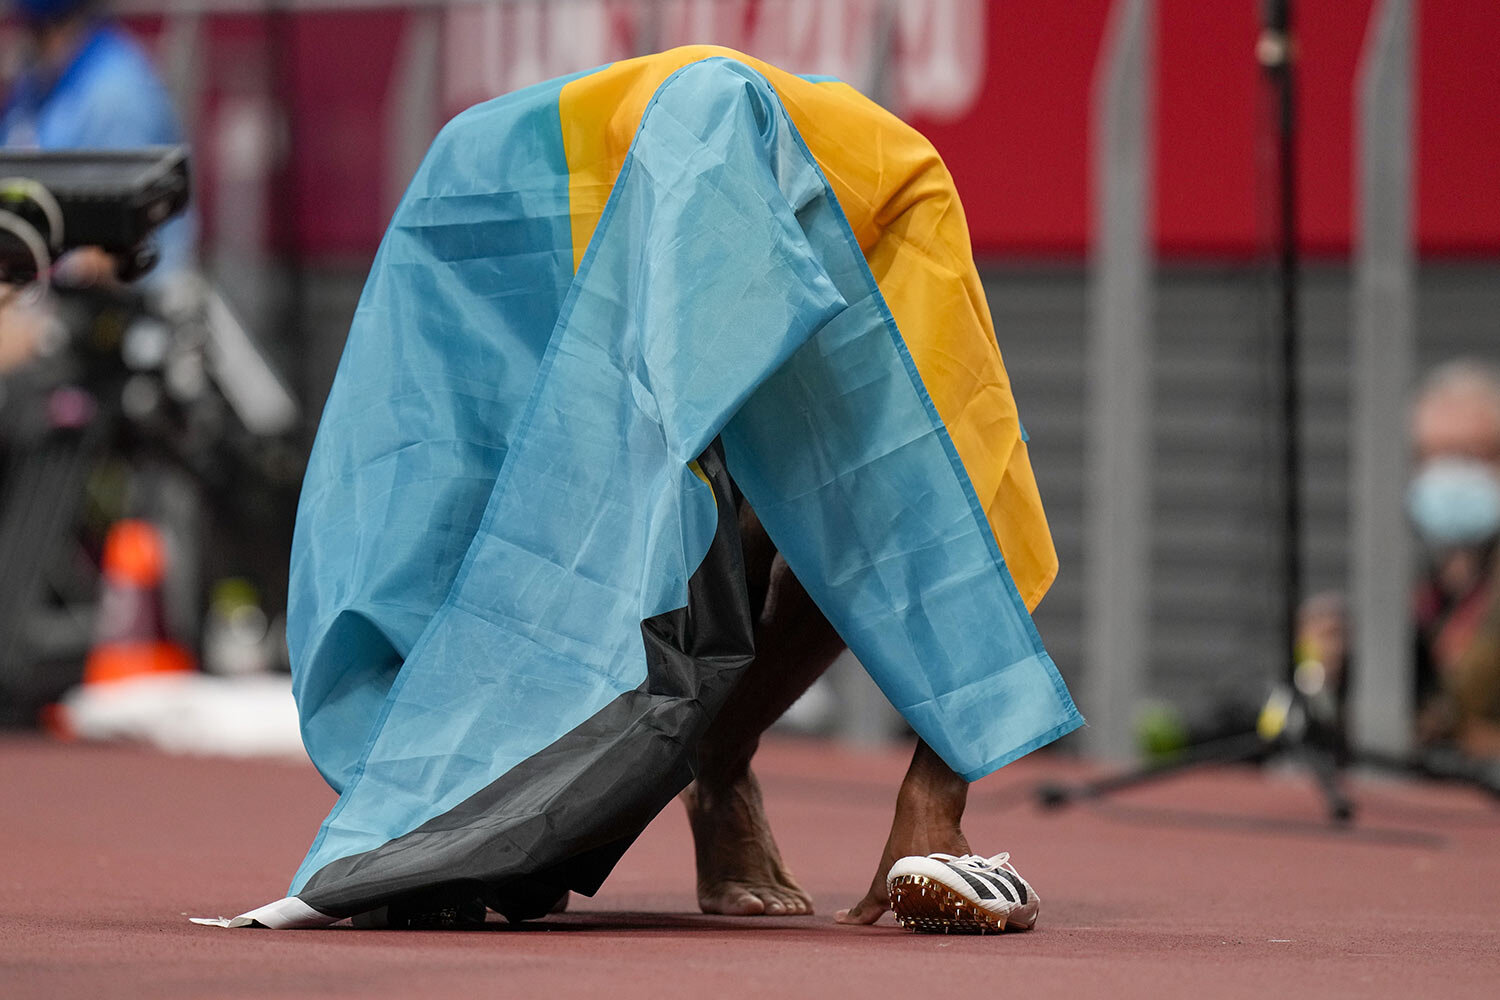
(1219, 884)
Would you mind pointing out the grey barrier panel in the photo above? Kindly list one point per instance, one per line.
(1117, 547)
(1382, 351)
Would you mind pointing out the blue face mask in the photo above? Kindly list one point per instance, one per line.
(1455, 502)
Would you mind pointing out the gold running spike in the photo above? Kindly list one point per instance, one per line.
(935, 907)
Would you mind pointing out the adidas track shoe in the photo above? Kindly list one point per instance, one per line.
(943, 894)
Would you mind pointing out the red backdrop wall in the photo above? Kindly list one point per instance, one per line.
(1020, 153)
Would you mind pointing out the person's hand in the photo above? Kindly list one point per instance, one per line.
(875, 902)
(22, 325)
(86, 267)
(929, 808)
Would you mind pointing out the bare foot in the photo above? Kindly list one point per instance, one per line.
(928, 811)
(739, 868)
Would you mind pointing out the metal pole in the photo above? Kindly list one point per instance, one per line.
(413, 101)
(1381, 372)
(1276, 55)
(1118, 502)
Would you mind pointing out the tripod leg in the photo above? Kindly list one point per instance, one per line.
(1325, 770)
(1242, 748)
(1438, 765)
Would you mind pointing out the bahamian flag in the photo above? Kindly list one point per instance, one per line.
(609, 308)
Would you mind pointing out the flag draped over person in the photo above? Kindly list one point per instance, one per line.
(608, 308)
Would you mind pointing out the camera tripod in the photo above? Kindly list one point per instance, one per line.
(1299, 727)
(1303, 721)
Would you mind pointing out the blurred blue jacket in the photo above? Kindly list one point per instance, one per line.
(109, 97)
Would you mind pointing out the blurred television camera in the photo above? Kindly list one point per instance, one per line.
(110, 200)
(122, 398)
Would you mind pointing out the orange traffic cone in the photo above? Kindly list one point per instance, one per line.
(130, 636)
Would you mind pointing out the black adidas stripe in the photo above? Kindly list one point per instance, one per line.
(981, 887)
(1020, 886)
(998, 884)
(983, 882)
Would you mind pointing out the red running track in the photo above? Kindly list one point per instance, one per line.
(1221, 884)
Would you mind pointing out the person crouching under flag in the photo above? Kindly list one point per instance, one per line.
(669, 379)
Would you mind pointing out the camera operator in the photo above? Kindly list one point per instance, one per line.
(88, 85)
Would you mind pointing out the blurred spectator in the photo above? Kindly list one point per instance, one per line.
(1454, 503)
(88, 85)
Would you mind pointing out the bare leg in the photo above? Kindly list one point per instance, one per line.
(929, 808)
(739, 867)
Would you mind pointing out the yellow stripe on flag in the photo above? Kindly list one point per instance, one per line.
(901, 204)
